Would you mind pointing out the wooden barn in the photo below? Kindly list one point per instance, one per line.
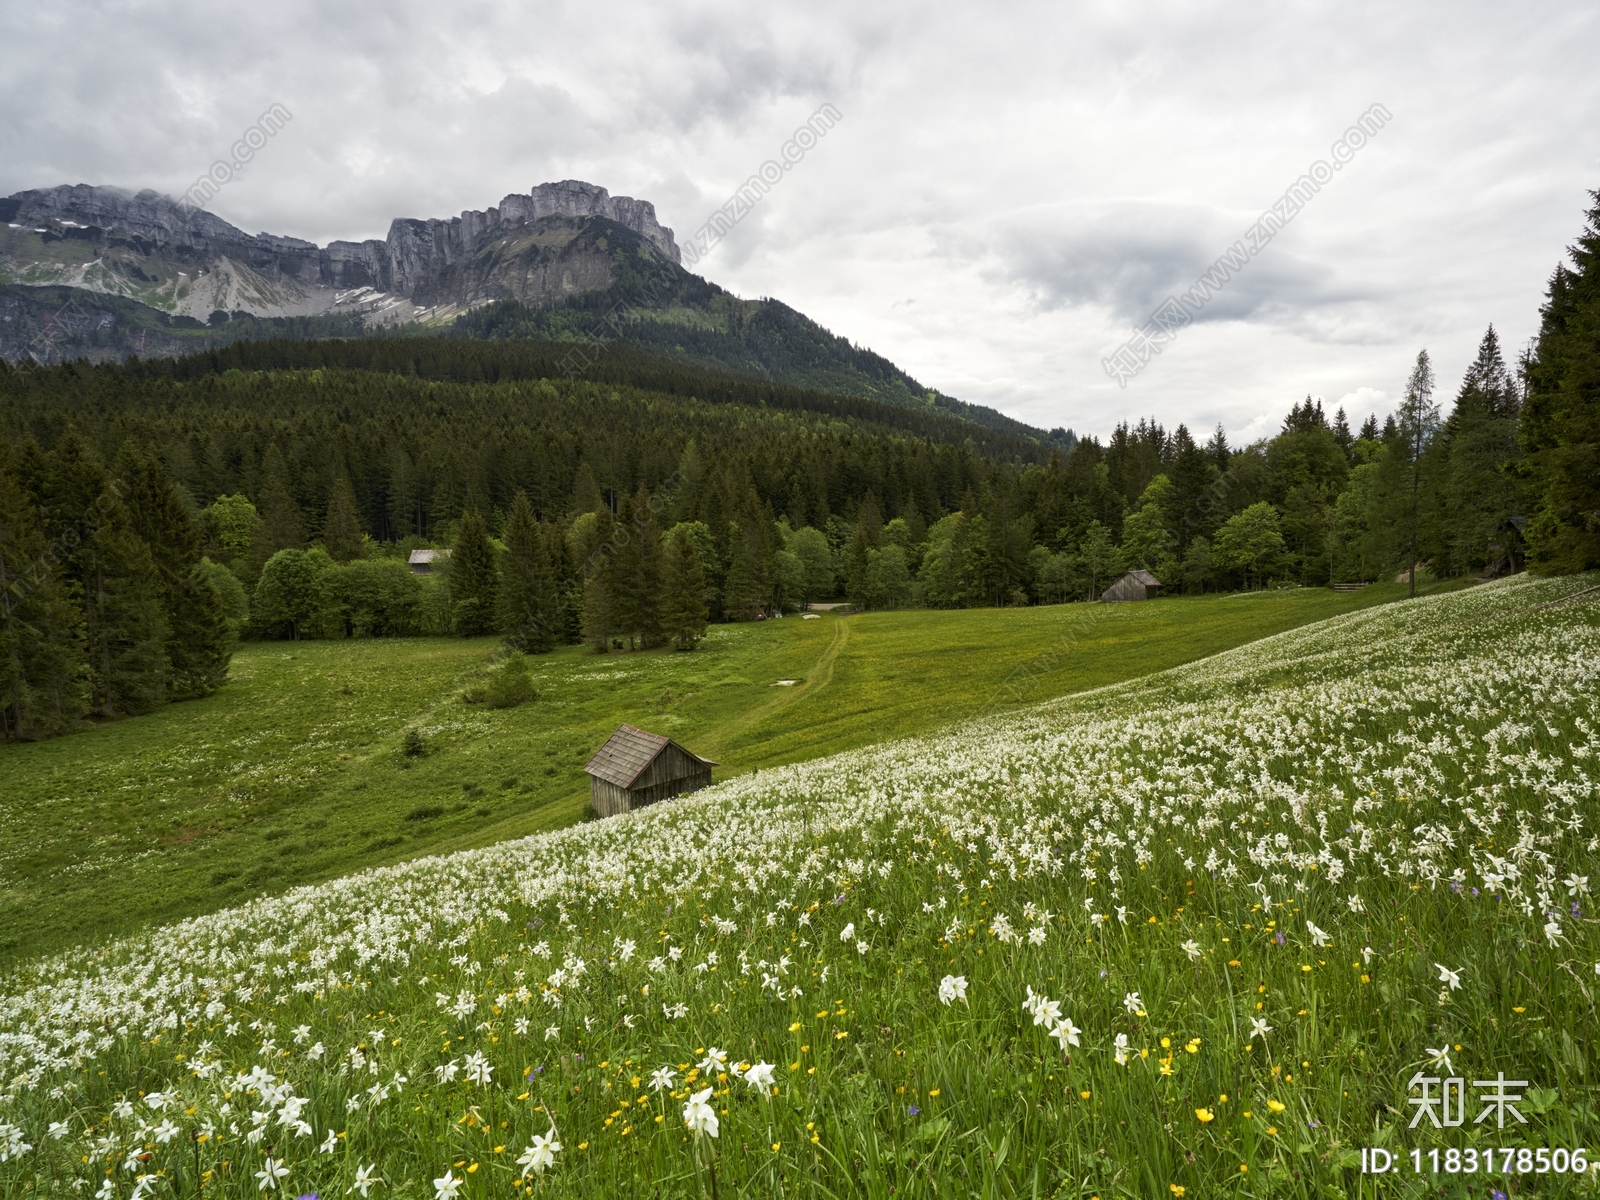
(635, 768)
(1135, 585)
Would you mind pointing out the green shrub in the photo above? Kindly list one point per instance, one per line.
(413, 746)
(511, 685)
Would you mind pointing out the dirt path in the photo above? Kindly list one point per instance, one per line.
(817, 679)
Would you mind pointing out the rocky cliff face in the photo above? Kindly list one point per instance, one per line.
(536, 248)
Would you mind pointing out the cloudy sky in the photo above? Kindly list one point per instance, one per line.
(1011, 191)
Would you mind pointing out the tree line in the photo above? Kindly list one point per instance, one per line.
(277, 489)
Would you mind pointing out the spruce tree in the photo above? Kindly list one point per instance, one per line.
(528, 612)
(742, 594)
(651, 571)
(1561, 416)
(1419, 421)
(125, 620)
(473, 577)
(279, 512)
(43, 667)
(1480, 490)
(622, 570)
(683, 607)
(341, 530)
(599, 614)
(198, 642)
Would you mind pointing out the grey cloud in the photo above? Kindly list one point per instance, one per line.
(1129, 258)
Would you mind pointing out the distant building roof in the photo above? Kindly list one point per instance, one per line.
(628, 752)
(1145, 578)
(428, 556)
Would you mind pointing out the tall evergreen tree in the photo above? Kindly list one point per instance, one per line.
(276, 504)
(1419, 421)
(1481, 491)
(683, 608)
(651, 571)
(599, 613)
(1561, 416)
(473, 577)
(624, 573)
(529, 615)
(341, 529)
(198, 642)
(43, 668)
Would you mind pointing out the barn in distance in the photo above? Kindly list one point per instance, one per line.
(1135, 585)
(635, 768)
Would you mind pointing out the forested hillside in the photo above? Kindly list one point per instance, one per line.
(275, 489)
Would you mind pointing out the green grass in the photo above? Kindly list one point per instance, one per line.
(1267, 890)
(292, 773)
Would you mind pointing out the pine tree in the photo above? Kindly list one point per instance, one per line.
(341, 530)
(1561, 415)
(586, 492)
(198, 641)
(43, 668)
(1419, 421)
(683, 615)
(279, 512)
(473, 577)
(599, 614)
(125, 620)
(651, 571)
(528, 611)
(623, 572)
(743, 592)
(1480, 490)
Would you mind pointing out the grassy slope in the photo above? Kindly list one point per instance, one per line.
(291, 772)
(1321, 768)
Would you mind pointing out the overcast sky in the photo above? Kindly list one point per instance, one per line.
(1010, 192)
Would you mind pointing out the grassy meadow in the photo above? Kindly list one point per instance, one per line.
(1193, 935)
(292, 773)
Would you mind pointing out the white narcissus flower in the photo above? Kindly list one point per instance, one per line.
(953, 988)
(1552, 932)
(446, 1187)
(1259, 1027)
(477, 1069)
(1192, 949)
(271, 1171)
(1577, 885)
(364, 1181)
(540, 1154)
(759, 1076)
(1132, 1003)
(1440, 1058)
(1066, 1033)
(1366, 955)
(848, 932)
(661, 1079)
(1446, 975)
(1319, 937)
(1120, 1050)
(699, 1116)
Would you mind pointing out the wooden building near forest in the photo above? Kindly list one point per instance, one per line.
(635, 768)
(1135, 585)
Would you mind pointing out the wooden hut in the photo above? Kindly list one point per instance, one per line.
(635, 768)
(1135, 585)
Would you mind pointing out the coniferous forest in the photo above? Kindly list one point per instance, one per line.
(152, 513)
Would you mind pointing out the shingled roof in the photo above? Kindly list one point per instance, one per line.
(628, 751)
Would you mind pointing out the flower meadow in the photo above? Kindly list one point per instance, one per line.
(1188, 936)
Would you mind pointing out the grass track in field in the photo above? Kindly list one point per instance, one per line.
(291, 773)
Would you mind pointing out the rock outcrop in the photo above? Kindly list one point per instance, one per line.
(149, 247)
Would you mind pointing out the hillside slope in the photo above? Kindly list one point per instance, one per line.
(1190, 936)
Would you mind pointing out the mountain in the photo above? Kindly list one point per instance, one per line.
(568, 261)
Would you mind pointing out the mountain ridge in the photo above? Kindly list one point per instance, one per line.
(566, 262)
